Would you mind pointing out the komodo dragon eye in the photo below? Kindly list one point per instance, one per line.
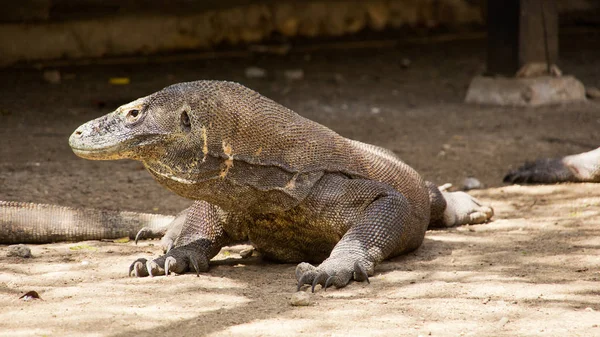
(132, 115)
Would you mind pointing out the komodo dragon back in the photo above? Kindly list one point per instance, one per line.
(22, 222)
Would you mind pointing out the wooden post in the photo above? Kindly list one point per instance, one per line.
(521, 32)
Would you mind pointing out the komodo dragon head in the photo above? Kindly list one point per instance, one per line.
(194, 136)
(133, 127)
(198, 130)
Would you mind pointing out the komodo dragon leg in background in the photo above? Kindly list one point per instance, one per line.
(582, 167)
(449, 209)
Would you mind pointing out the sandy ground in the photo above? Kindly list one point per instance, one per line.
(533, 271)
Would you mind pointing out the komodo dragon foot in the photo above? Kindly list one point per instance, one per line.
(178, 260)
(337, 272)
(463, 209)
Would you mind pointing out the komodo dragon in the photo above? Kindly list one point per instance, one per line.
(582, 167)
(258, 171)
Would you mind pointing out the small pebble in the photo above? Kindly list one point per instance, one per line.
(405, 63)
(300, 298)
(19, 250)
(255, 72)
(471, 183)
(52, 76)
(294, 74)
(503, 321)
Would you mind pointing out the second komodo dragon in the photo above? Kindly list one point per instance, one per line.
(298, 191)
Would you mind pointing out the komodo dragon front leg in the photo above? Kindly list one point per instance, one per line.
(196, 237)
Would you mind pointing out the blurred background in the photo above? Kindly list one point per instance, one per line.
(39, 30)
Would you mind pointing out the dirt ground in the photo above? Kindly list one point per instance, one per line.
(533, 271)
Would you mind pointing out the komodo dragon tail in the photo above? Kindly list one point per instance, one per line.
(22, 222)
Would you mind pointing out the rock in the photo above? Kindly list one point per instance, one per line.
(471, 183)
(255, 72)
(405, 63)
(52, 76)
(294, 74)
(300, 298)
(19, 250)
(503, 321)
(533, 91)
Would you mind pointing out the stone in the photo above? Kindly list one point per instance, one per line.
(533, 91)
(300, 298)
(19, 250)
(471, 183)
(255, 72)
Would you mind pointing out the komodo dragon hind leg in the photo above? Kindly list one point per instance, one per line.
(382, 228)
(201, 237)
(582, 167)
(450, 209)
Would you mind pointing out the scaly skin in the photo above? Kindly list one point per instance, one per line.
(260, 172)
(22, 222)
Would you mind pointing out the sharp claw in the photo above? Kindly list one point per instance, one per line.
(319, 279)
(133, 266)
(149, 267)
(140, 233)
(358, 268)
(329, 282)
(194, 263)
(169, 247)
(314, 284)
(169, 262)
(303, 280)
